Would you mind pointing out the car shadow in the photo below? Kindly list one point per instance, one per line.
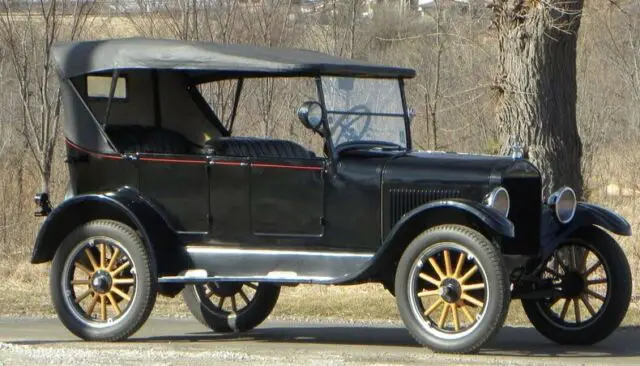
(510, 341)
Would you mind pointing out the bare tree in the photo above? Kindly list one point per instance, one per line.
(28, 35)
(537, 85)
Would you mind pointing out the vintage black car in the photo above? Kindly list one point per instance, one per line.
(164, 198)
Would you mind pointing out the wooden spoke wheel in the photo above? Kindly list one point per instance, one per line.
(592, 288)
(451, 289)
(230, 306)
(103, 283)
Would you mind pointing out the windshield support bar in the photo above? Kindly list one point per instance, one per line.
(232, 117)
(112, 91)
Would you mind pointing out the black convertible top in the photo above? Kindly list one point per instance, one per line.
(209, 60)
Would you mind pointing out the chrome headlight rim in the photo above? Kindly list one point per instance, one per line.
(493, 198)
(561, 194)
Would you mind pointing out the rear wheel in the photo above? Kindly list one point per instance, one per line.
(592, 282)
(228, 307)
(451, 289)
(103, 282)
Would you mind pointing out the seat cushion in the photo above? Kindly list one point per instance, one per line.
(257, 148)
(132, 139)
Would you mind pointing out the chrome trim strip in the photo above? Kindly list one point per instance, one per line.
(267, 278)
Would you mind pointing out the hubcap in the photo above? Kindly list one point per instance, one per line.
(448, 290)
(573, 284)
(101, 282)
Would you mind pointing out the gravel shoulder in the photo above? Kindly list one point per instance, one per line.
(185, 342)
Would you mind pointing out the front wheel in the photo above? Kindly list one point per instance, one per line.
(592, 282)
(228, 306)
(451, 289)
(103, 281)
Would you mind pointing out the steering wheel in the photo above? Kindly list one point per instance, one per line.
(347, 131)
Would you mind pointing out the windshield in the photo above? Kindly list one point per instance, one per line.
(364, 110)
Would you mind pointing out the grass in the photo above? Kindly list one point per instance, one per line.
(25, 292)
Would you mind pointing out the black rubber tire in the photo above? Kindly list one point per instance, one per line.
(146, 281)
(616, 303)
(490, 258)
(247, 318)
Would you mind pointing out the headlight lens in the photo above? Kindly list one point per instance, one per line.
(499, 200)
(564, 203)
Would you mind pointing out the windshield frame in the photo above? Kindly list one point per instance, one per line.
(326, 112)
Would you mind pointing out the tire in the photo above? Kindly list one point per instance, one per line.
(587, 327)
(486, 293)
(108, 296)
(226, 315)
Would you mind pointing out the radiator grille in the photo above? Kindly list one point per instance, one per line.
(403, 200)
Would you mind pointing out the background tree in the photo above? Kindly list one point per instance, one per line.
(537, 85)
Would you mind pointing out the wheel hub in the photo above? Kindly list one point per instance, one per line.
(101, 282)
(573, 284)
(225, 289)
(450, 290)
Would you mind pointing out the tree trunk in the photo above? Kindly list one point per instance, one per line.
(537, 86)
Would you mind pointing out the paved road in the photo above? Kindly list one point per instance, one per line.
(183, 341)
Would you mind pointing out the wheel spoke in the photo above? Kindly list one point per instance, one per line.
(103, 255)
(592, 268)
(447, 263)
(424, 293)
(80, 282)
(436, 268)
(119, 292)
(461, 259)
(574, 257)
(234, 307)
(91, 258)
(114, 304)
(565, 308)
(555, 274)
(443, 316)
(595, 294)
(83, 296)
(454, 312)
(244, 297)
(92, 305)
(465, 311)
(251, 285)
(576, 310)
(561, 263)
(84, 269)
(469, 273)
(221, 302)
(429, 279)
(121, 268)
(433, 307)
(583, 261)
(123, 281)
(103, 308)
(114, 258)
(597, 281)
(475, 286)
(472, 300)
(587, 304)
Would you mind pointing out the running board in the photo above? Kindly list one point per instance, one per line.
(223, 264)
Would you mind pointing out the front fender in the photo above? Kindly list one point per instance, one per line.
(125, 205)
(491, 218)
(587, 214)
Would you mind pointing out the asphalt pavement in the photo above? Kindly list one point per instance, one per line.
(186, 342)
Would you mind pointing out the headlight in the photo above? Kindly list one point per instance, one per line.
(563, 202)
(499, 200)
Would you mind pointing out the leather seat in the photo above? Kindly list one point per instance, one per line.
(257, 148)
(133, 139)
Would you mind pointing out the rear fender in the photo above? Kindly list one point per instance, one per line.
(125, 205)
